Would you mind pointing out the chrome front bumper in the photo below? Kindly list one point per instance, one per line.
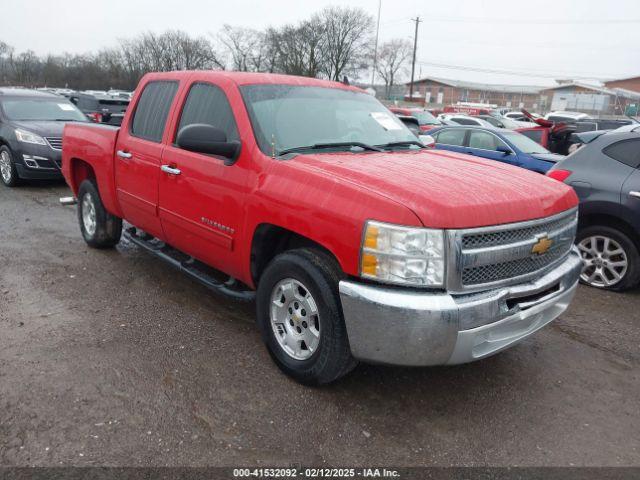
(408, 327)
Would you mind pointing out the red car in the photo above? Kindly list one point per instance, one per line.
(309, 196)
(425, 119)
(552, 136)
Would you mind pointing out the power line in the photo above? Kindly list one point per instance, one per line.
(522, 73)
(532, 21)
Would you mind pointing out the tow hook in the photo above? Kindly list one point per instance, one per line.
(67, 201)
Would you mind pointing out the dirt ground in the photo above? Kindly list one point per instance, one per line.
(113, 358)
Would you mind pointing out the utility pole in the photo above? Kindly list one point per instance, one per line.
(413, 63)
(375, 51)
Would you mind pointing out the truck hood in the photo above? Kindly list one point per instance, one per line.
(446, 189)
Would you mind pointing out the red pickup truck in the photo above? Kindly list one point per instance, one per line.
(357, 242)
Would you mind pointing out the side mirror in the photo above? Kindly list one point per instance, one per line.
(207, 139)
(504, 149)
(428, 140)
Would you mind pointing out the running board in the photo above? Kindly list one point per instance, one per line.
(209, 277)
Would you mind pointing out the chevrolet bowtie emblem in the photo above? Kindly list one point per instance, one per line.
(542, 245)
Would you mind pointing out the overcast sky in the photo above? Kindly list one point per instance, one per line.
(545, 38)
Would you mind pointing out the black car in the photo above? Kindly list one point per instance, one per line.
(605, 174)
(102, 107)
(31, 125)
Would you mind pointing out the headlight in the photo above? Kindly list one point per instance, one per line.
(28, 137)
(403, 255)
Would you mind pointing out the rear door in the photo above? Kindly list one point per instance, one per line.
(628, 153)
(138, 154)
(451, 139)
(201, 202)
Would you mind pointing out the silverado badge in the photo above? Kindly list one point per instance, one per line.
(542, 245)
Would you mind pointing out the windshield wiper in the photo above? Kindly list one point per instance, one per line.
(322, 146)
(405, 143)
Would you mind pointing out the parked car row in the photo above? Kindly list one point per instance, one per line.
(609, 228)
(101, 106)
(356, 241)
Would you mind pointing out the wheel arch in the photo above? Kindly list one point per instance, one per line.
(269, 240)
(612, 221)
(80, 170)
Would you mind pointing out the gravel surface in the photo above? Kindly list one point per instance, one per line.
(113, 358)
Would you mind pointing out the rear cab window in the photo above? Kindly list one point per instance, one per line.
(152, 110)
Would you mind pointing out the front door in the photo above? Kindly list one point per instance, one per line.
(485, 144)
(201, 198)
(138, 153)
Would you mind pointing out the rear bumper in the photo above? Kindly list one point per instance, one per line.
(408, 327)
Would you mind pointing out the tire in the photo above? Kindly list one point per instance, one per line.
(613, 254)
(318, 275)
(8, 172)
(99, 228)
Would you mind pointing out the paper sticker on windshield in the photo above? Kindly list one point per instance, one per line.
(66, 107)
(385, 120)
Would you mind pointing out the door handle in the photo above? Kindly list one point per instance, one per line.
(123, 154)
(170, 170)
(634, 194)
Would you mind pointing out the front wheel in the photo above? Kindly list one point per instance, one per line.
(99, 228)
(8, 172)
(611, 259)
(300, 317)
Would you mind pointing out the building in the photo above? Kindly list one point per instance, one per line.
(631, 84)
(589, 98)
(439, 92)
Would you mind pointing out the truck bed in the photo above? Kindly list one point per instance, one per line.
(95, 145)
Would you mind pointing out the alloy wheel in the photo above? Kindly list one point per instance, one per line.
(295, 319)
(89, 215)
(5, 166)
(605, 261)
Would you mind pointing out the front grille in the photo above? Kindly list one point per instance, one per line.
(54, 142)
(505, 254)
(512, 269)
(504, 237)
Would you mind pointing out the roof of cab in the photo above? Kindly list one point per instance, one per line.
(255, 78)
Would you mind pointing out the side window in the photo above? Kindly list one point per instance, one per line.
(208, 104)
(151, 112)
(626, 151)
(453, 136)
(483, 140)
(535, 135)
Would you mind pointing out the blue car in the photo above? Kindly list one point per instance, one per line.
(496, 144)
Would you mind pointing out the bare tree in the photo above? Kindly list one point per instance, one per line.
(298, 49)
(25, 67)
(244, 46)
(392, 58)
(347, 39)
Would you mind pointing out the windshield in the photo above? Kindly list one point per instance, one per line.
(524, 144)
(425, 118)
(55, 109)
(288, 116)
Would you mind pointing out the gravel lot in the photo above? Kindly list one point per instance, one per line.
(113, 358)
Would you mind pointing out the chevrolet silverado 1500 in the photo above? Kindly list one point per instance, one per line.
(356, 241)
